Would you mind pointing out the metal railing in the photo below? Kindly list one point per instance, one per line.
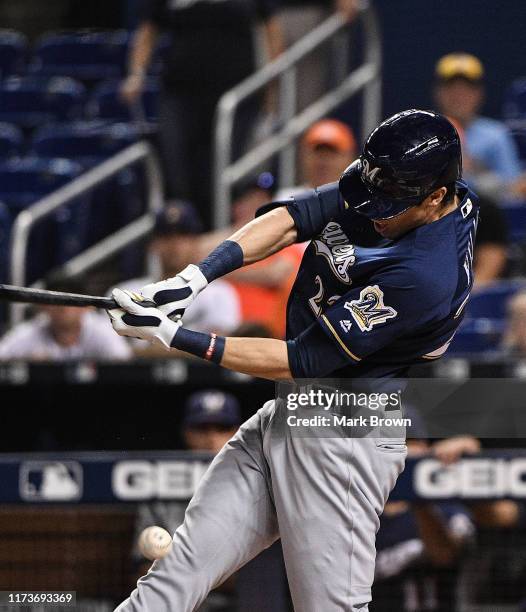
(367, 77)
(26, 220)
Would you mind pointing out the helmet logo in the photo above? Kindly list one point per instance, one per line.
(368, 173)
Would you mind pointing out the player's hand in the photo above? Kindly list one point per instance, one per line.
(173, 295)
(134, 320)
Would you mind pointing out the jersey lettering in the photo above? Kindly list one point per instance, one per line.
(333, 244)
(316, 299)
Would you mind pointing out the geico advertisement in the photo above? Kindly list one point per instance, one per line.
(142, 480)
(477, 478)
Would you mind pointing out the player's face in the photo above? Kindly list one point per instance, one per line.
(415, 216)
(323, 164)
(459, 99)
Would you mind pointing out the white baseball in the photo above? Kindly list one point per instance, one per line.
(155, 543)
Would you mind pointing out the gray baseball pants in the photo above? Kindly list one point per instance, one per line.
(322, 496)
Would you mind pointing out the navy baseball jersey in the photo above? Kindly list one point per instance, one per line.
(384, 304)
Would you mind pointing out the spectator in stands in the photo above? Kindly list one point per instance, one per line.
(498, 514)
(491, 242)
(419, 548)
(263, 288)
(498, 568)
(211, 51)
(211, 418)
(63, 333)
(298, 18)
(176, 235)
(514, 340)
(492, 164)
(326, 149)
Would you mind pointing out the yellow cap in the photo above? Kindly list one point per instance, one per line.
(459, 65)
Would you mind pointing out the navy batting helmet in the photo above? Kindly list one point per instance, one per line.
(404, 160)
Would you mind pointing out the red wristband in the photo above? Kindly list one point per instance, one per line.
(211, 347)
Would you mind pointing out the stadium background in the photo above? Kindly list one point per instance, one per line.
(57, 413)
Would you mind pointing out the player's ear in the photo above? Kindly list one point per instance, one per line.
(437, 197)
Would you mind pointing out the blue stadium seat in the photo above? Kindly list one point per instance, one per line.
(11, 141)
(514, 113)
(515, 215)
(13, 49)
(106, 103)
(87, 142)
(84, 55)
(55, 240)
(23, 181)
(116, 201)
(32, 101)
(477, 336)
(491, 302)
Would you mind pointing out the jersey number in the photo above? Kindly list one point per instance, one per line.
(315, 300)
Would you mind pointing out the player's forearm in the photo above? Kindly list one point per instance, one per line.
(261, 357)
(265, 235)
(255, 241)
(264, 276)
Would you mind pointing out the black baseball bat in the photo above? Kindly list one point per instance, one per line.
(11, 293)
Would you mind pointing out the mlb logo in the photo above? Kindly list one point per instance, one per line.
(346, 325)
(50, 481)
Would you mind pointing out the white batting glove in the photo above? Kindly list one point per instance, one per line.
(143, 322)
(174, 295)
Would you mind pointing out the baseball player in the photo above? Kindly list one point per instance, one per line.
(383, 285)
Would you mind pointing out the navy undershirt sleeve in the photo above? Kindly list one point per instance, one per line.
(311, 210)
(313, 354)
